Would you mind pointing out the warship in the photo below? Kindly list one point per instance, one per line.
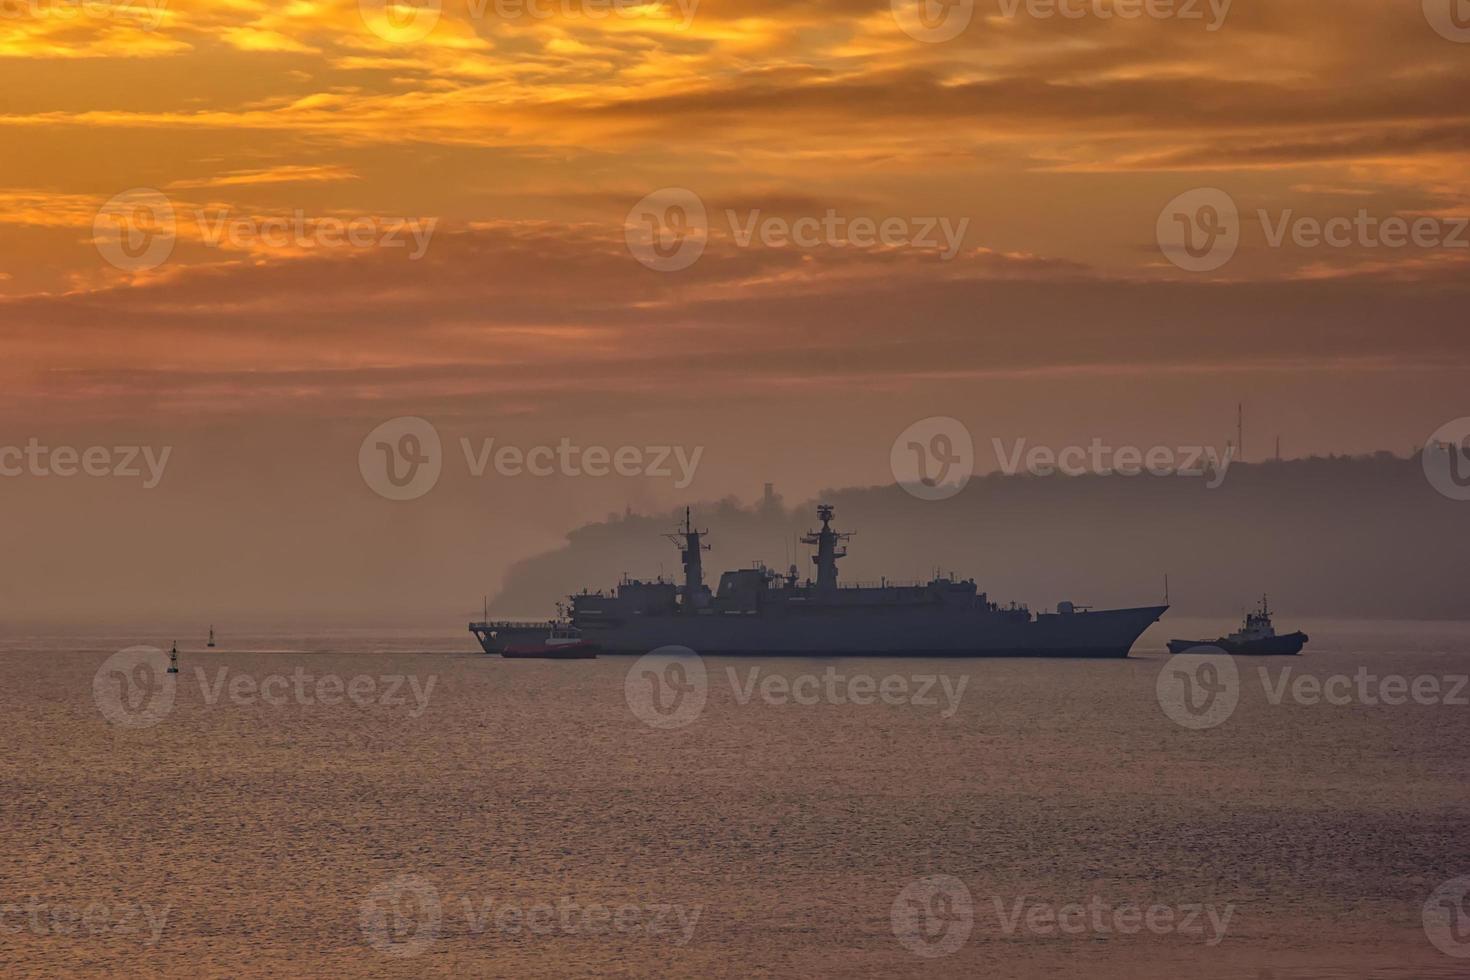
(757, 611)
(1257, 637)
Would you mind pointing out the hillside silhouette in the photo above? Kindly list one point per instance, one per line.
(1352, 537)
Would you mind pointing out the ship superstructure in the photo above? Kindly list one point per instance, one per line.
(758, 611)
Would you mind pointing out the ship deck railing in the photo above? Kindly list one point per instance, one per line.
(882, 584)
(513, 624)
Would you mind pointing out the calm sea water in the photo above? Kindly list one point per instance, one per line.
(462, 814)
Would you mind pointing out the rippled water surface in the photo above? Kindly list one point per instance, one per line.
(428, 834)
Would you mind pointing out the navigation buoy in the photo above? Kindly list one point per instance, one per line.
(173, 659)
(211, 636)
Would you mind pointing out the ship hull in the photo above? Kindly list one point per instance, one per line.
(497, 638)
(1288, 645)
(879, 632)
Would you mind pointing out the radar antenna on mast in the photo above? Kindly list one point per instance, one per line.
(829, 548)
(689, 541)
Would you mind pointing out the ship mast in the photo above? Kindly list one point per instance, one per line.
(829, 549)
(689, 542)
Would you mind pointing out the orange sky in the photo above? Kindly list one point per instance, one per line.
(518, 144)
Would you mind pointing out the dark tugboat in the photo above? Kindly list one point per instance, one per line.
(1256, 638)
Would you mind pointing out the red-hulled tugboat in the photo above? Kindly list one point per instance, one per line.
(561, 642)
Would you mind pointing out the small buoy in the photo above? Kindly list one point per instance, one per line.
(211, 636)
(173, 659)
